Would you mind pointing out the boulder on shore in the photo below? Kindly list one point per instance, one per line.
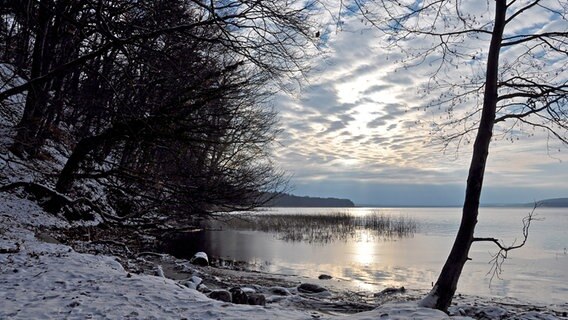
(221, 295)
(390, 290)
(193, 282)
(281, 291)
(310, 288)
(324, 277)
(200, 259)
(256, 299)
(239, 296)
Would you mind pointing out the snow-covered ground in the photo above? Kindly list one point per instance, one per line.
(40, 280)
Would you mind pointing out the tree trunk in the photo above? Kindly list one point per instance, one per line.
(87, 145)
(23, 39)
(80, 152)
(27, 140)
(440, 297)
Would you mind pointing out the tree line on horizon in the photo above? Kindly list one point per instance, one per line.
(289, 200)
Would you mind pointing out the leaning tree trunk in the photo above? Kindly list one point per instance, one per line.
(87, 145)
(440, 297)
(79, 154)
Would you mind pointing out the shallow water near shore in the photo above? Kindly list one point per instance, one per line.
(364, 261)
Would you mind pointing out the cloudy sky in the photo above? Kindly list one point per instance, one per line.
(359, 129)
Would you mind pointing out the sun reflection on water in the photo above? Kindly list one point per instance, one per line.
(365, 249)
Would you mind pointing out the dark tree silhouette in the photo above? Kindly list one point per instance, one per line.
(165, 103)
(520, 77)
(69, 37)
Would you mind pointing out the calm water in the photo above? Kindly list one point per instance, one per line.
(537, 272)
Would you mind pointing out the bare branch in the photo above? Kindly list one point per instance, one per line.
(520, 11)
(499, 258)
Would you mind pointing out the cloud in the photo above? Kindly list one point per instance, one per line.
(332, 127)
(377, 122)
(377, 88)
(361, 124)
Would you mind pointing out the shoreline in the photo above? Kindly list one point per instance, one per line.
(96, 276)
(340, 301)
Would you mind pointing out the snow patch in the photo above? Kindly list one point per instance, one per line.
(431, 299)
(401, 311)
(13, 106)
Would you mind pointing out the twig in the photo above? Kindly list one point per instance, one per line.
(499, 258)
(37, 275)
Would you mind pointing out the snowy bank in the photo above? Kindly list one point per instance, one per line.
(40, 280)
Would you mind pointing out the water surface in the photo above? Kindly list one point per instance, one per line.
(537, 272)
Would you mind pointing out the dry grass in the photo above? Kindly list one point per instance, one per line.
(327, 227)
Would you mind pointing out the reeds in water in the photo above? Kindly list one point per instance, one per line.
(326, 227)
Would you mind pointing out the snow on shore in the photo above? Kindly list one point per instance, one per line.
(40, 280)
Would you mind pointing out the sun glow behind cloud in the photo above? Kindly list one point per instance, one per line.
(361, 121)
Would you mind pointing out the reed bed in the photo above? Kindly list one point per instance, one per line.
(327, 227)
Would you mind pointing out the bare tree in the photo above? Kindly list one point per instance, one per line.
(272, 36)
(164, 102)
(519, 81)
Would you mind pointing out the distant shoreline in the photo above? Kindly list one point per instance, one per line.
(546, 203)
(285, 200)
(292, 201)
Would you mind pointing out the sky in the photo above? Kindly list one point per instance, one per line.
(359, 127)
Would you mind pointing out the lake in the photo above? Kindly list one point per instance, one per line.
(538, 272)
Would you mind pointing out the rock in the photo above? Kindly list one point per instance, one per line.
(391, 290)
(239, 296)
(194, 283)
(281, 291)
(255, 287)
(203, 288)
(256, 299)
(200, 259)
(275, 299)
(159, 271)
(221, 295)
(190, 285)
(492, 313)
(324, 277)
(248, 290)
(311, 288)
(46, 237)
(195, 279)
